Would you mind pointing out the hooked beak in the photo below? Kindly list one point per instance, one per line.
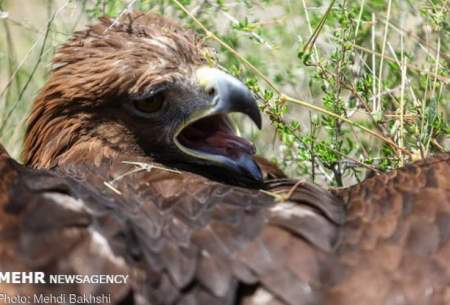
(209, 136)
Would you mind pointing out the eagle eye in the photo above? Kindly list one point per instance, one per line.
(150, 104)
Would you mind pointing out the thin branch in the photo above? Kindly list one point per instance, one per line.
(312, 39)
(36, 65)
(284, 97)
(350, 122)
(444, 79)
(383, 48)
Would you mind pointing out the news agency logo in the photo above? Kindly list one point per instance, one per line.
(41, 278)
(22, 277)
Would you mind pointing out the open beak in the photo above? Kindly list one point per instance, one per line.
(208, 134)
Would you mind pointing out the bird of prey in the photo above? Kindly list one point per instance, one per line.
(132, 167)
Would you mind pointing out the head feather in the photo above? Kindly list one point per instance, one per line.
(115, 57)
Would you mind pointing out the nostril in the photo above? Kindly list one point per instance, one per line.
(211, 92)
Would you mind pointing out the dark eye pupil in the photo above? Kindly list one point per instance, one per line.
(151, 104)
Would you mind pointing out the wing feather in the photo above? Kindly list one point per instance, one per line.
(185, 239)
(396, 236)
(45, 229)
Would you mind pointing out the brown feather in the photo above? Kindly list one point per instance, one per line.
(186, 239)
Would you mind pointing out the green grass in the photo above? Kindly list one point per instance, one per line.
(349, 88)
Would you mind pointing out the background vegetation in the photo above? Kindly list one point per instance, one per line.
(349, 88)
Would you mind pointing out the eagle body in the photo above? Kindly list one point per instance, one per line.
(132, 168)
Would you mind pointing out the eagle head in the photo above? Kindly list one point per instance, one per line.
(140, 85)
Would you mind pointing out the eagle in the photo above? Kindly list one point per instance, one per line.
(132, 167)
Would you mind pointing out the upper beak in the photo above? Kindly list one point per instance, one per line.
(228, 93)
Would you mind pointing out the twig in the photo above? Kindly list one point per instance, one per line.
(312, 39)
(36, 65)
(235, 22)
(275, 88)
(140, 166)
(358, 22)
(310, 29)
(292, 190)
(11, 60)
(13, 75)
(383, 48)
(110, 186)
(123, 12)
(148, 166)
(374, 65)
(402, 101)
(419, 40)
(444, 79)
(278, 198)
(350, 122)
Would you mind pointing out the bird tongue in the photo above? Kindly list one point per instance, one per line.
(215, 135)
(229, 144)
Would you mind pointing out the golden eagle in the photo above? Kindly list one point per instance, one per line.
(133, 168)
